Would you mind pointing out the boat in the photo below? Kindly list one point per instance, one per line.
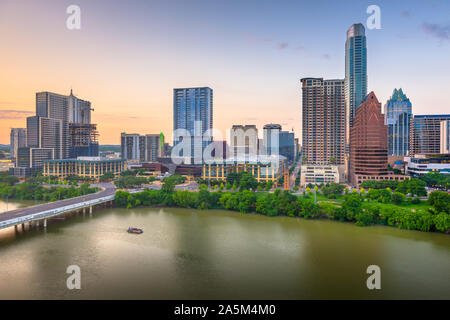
(135, 230)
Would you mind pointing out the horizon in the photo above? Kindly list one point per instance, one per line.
(128, 69)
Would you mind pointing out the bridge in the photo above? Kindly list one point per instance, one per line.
(42, 212)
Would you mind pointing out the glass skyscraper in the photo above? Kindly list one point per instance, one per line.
(193, 111)
(355, 72)
(397, 115)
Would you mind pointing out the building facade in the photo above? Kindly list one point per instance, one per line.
(368, 144)
(425, 133)
(355, 73)
(193, 113)
(423, 164)
(287, 145)
(323, 120)
(318, 174)
(271, 142)
(86, 167)
(18, 139)
(243, 140)
(142, 148)
(262, 171)
(445, 136)
(398, 113)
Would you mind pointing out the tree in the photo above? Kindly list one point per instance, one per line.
(440, 201)
(398, 198)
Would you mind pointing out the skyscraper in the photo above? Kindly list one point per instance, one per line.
(397, 112)
(193, 112)
(368, 151)
(323, 120)
(355, 73)
(425, 133)
(18, 140)
(272, 139)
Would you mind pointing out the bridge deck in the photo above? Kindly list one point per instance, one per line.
(42, 211)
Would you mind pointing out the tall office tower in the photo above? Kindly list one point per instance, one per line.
(193, 111)
(323, 121)
(355, 73)
(272, 139)
(445, 136)
(79, 110)
(243, 140)
(48, 133)
(368, 138)
(287, 145)
(397, 113)
(56, 106)
(154, 147)
(425, 133)
(18, 140)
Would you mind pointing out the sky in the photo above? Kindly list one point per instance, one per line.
(129, 55)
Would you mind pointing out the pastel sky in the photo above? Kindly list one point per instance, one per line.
(129, 55)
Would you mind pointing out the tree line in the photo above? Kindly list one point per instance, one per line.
(355, 208)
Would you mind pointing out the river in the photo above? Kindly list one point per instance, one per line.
(216, 254)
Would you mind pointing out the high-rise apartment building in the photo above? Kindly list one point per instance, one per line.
(193, 112)
(142, 148)
(323, 120)
(398, 113)
(425, 133)
(18, 140)
(355, 72)
(445, 136)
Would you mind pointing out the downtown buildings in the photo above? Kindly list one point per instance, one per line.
(60, 129)
(398, 114)
(193, 116)
(368, 144)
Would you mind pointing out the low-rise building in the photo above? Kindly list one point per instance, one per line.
(260, 167)
(423, 164)
(87, 167)
(318, 174)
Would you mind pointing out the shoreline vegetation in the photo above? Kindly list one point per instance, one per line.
(33, 189)
(374, 207)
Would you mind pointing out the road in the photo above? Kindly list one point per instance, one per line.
(107, 190)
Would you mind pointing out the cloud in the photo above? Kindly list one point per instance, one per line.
(15, 114)
(326, 56)
(271, 42)
(283, 45)
(438, 31)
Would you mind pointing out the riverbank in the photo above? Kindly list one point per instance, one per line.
(354, 208)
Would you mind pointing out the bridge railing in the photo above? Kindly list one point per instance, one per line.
(54, 212)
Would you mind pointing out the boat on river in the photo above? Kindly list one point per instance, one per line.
(135, 230)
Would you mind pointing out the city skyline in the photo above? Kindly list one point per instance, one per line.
(130, 81)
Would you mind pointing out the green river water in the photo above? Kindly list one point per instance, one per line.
(215, 254)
